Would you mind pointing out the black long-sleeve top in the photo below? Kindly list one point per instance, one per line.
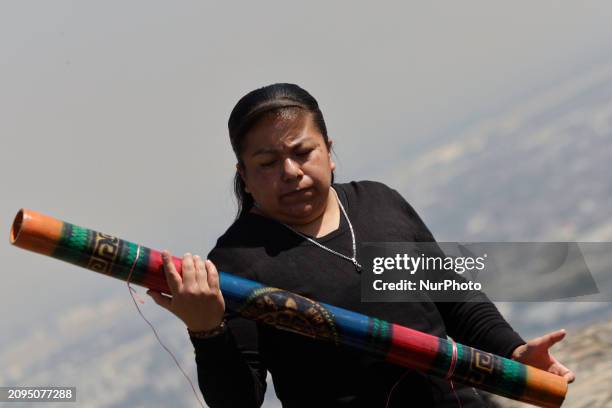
(232, 367)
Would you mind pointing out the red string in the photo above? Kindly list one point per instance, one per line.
(131, 290)
(449, 374)
(393, 388)
(451, 368)
(455, 394)
(451, 371)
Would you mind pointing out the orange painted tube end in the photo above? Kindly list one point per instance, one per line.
(36, 232)
(547, 389)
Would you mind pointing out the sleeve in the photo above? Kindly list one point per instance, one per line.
(477, 323)
(231, 372)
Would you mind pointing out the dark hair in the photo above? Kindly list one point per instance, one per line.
(275, 98)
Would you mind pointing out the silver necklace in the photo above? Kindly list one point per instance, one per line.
(354, 258)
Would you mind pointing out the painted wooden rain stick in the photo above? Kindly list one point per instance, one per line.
(288, 311)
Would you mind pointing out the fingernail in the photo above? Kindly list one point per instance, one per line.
(186, 254)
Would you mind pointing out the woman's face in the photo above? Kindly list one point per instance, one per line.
(287, 167)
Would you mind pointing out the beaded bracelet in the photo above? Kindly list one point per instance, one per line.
(206, 334)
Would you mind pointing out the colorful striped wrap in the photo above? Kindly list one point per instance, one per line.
(288, 311)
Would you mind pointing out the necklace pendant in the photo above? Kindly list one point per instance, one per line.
(357, 265)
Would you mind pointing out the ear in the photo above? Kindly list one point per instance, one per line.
(240, 170)
(332, 165)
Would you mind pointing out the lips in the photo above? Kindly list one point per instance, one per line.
(296, 193)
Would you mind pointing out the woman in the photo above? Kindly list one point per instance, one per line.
(299, 231)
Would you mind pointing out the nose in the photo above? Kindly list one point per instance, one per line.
(291, 169)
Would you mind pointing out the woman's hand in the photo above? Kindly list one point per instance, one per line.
(535, 353)
(196, 297)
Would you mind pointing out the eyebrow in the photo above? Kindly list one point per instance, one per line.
(272, 150)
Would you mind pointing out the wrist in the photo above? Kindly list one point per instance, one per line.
(208, 333)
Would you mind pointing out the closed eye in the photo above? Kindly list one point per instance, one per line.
(303, 153)
(268, 164)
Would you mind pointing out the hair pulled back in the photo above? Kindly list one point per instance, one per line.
(272, 99)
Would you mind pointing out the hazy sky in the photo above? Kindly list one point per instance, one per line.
(113, 114)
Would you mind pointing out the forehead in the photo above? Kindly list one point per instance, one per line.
(281, 128)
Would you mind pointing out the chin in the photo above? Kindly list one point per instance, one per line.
(301, 215)
(304, 216)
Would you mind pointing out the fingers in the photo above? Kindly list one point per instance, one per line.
(206, 274)
(554, 337)
(201, 273)
(160, 299)
(563, 371)
(567, 374)
(172, 277)
(194, 273)
(189, 272)
(213, 276)
(548, 340)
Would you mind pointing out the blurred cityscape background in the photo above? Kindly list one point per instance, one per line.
(493, 121)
